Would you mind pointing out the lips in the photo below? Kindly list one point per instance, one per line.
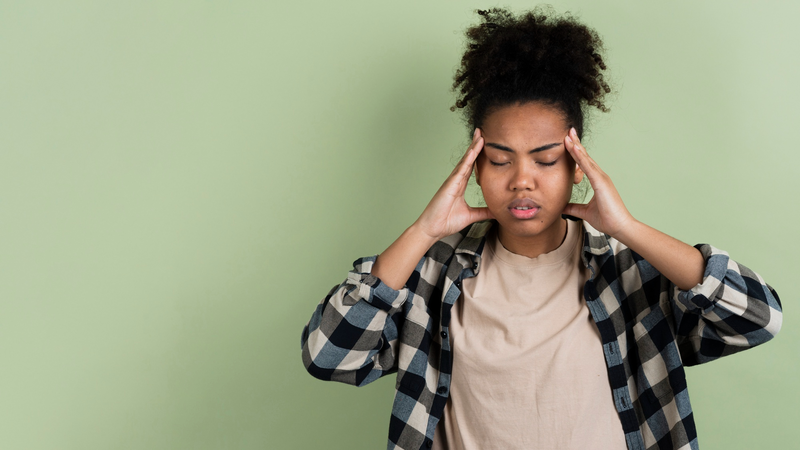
(523, 208)
(523, 203)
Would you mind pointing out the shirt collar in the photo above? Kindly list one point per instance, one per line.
(595, 243)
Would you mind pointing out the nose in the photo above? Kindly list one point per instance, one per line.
(523, 178)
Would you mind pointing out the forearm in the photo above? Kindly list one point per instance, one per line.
(398, 261)
(341, 341)
(679, 262)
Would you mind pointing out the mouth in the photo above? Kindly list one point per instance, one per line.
(523, 208)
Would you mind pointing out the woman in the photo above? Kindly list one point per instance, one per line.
(534, 322)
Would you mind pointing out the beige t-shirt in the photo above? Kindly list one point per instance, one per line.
(528, 366)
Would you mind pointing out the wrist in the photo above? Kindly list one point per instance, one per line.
(629, 230)
(419, 235)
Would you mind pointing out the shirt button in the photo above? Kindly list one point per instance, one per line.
(442, 390)
(428, 443)
(444, 334)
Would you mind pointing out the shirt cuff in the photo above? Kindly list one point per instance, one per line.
(372, 289)
(704, 296)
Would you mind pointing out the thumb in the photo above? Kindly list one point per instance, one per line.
(578, 210)
(478, 214)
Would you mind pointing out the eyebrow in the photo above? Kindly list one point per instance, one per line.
(537, 149)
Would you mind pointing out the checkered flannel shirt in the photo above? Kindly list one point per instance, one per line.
(650, 329)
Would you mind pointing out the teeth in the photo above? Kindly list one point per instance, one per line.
(523, 207)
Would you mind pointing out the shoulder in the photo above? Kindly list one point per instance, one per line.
(597, 245)
(469, 240)
(455, 253)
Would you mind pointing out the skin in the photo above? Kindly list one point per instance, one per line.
(520, 128)
(506, 170)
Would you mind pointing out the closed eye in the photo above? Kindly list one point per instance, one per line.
(552, 163)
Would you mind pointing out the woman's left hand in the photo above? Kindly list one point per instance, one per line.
(605, 211)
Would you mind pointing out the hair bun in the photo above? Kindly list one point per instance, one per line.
(536, 56)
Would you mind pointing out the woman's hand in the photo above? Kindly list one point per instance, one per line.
(605, 211)
(681, 263)
(448, 212)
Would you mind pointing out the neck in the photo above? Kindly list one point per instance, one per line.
(533, 246)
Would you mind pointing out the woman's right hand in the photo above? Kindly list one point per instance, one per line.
(448, 211)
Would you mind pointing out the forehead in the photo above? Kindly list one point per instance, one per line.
(526, 123)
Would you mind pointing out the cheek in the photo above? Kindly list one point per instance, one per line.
(486, 175)
(568, 170)
(560, 184)
(492, 192)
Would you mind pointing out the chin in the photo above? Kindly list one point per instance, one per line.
(524, 228)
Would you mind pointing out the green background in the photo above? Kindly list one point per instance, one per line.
(182, 182)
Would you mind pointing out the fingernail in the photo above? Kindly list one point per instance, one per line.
(569, 139)
(573, 132)
(474, 133)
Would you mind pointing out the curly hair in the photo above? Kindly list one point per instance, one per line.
(538, 56)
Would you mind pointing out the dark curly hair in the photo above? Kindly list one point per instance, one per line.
(538, 56)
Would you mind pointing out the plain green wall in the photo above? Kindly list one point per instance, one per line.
(182, 182)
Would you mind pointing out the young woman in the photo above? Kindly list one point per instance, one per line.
(534, 322)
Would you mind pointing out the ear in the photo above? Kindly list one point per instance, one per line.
(578, 174)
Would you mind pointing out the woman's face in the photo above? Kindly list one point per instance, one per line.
(526, 175)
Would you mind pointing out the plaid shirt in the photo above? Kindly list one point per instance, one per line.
(650, 329)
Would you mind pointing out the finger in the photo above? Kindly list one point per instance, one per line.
(578, 210)
(478, 214)
(470, 157)
(585, 163)
(581, 156)
(456, 183)
(574, 151)
(477, 143)
(466, 169)
(475, 138)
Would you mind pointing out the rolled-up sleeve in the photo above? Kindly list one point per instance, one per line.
(732, 309)
(352, 334)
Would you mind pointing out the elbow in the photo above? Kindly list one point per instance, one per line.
(314, 370)
(775, 322)
(323, 364)
(308, 349)
(348, 375)
(767, 327)
(764, 313)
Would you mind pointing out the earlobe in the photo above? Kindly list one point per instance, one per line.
(578, 174)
